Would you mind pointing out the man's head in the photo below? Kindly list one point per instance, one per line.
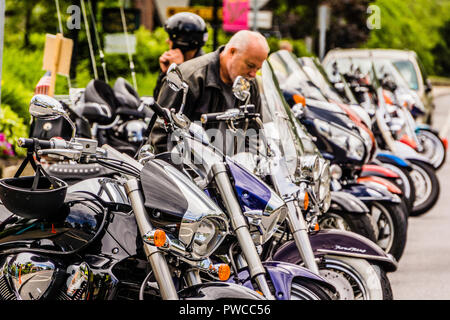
(243, 55)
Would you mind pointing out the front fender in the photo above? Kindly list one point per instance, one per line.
(338, 243)
(218, 290)
(370, 192)
(386, 157)
(348, 202)
(427, 127)
(409, 153)
(281, 275)
(373, 180)
(376, 170)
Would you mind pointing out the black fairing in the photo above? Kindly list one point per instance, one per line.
(162, 194)
(328, 149)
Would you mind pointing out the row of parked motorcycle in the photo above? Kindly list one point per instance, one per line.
(319, 211)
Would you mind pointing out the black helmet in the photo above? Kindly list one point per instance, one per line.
(19, 196)
(187, 31)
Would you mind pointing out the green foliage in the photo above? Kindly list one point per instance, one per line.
(410, 24)
(12, 126)
(441, 51)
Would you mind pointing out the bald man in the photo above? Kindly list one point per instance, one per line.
(211, 76)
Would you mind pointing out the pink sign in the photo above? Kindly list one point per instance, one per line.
(235, 15)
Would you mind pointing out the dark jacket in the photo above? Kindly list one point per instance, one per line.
(162, 75)
(204, 95)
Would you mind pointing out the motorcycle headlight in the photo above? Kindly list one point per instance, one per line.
(264, 224)
(310, 167)
(203, 236)
(335, 171)
(324, 189)
(345, 139)
(325, 180)
(209, 233)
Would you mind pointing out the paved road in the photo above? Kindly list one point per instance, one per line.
(424, 270)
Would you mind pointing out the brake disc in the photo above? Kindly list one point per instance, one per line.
(341, 284)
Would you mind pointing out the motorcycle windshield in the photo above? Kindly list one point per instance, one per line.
(275, 104)
(318, 76)
(290, 75)
(278, 119)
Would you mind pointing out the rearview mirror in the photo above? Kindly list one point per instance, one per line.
(48, 108)
(175, 81)
(241, 88)
(45, 107)
(174, 78)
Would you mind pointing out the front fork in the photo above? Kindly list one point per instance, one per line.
(240, 228)
(299, 230)
(156, 258)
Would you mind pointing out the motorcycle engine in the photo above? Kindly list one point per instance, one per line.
(31, 276)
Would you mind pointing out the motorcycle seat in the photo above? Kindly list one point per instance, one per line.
(126, 95)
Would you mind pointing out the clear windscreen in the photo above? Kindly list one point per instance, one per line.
(277, 118)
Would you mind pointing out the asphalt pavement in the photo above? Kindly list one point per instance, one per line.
(424, 269)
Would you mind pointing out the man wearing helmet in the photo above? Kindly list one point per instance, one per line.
(187, 35)
(211, 76)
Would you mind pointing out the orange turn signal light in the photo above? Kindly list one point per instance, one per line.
(224, 272)
(159, 238)
(387, 99)
(316, 227)
(299, 99)
(306, 201)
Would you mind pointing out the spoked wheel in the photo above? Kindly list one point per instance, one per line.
(391, 228)
(427, 187)
(360, 223)
(433, 148)
(355, 279)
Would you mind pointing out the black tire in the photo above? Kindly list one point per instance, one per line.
(360, 223)
(391, 225)
(434, 148)
(424, 176)
(302, 289)
(401, 182)
(385, 283)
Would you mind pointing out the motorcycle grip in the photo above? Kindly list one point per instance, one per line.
(211, 117)
(43, 144)
(156, 107)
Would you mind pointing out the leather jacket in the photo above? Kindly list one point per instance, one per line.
(204, 95)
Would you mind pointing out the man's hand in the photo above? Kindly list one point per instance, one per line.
(169, 57)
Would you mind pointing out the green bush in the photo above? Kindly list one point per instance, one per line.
(412, 25)
(12, 126)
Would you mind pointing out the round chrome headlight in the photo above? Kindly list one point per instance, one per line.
(325, 180)
(335, 172)
(310, 167)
